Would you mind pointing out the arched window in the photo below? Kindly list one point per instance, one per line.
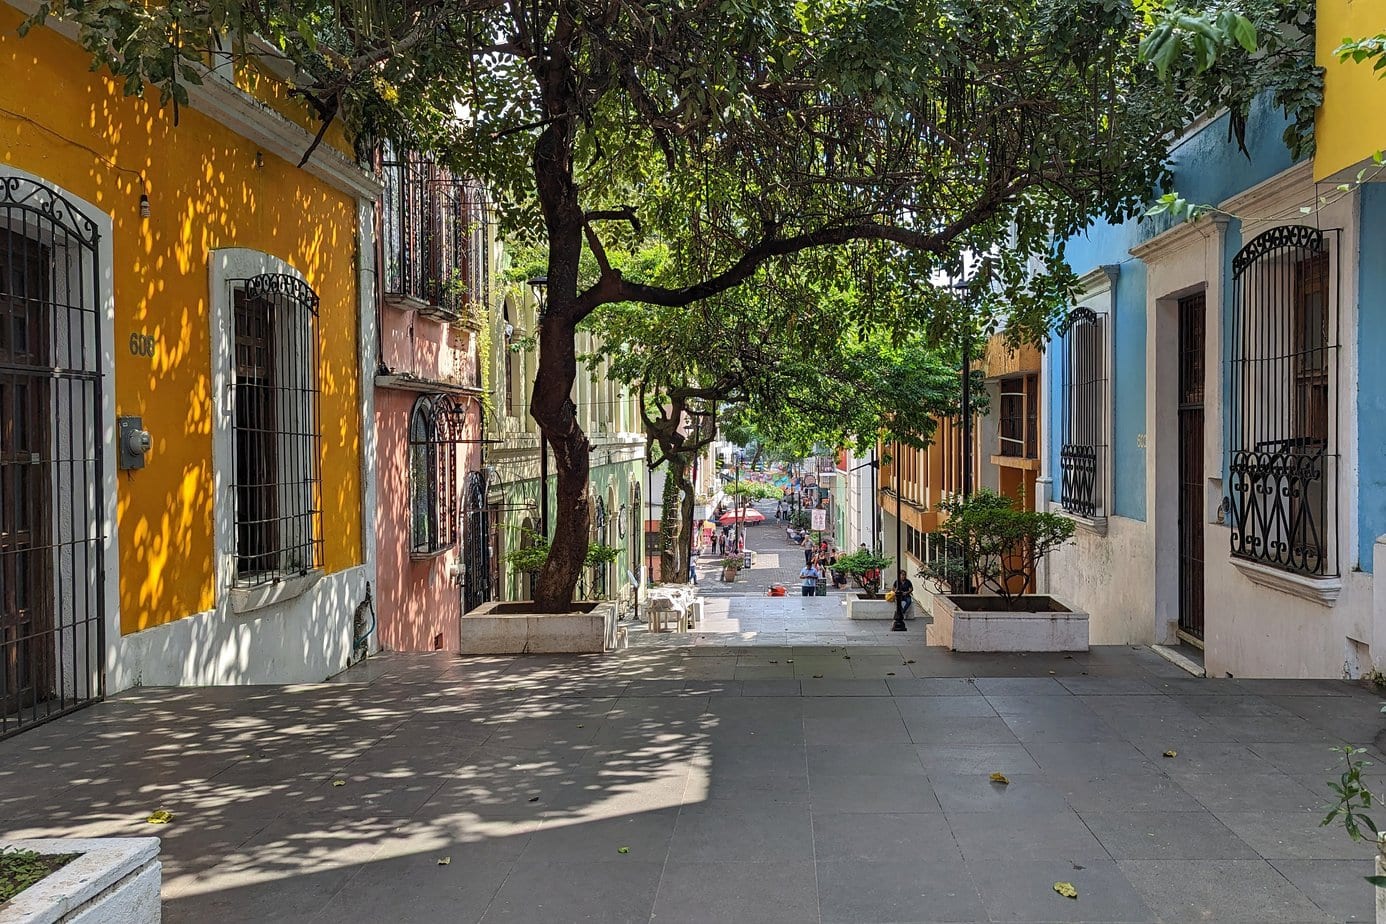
(435, 430)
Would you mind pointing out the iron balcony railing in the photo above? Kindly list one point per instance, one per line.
(1078, 483)
(432, 235)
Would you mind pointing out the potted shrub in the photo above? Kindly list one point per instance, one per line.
(730, 566)
(995, 547)
(866, 569)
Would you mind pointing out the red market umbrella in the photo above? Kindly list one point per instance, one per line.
(751, 514)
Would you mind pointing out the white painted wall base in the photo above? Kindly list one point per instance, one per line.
(860, 608)
(116, 880)
(302, 640)
(1003, 630)
(486, 631)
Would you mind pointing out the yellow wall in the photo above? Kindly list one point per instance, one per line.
(77, 130)
(1349, 128)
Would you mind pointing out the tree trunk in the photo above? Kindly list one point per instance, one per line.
(673, 552)
(556, 414)
(552, 404)
(686, 511)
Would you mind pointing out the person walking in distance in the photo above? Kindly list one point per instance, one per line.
(808, 580)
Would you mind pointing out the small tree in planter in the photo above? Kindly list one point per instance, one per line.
(999, 543)
(996, 547)
(865, 568)
(530, 559)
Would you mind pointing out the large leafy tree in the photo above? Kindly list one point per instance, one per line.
(810, 352)
(741, 132)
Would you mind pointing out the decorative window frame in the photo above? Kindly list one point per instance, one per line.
(1099, 297)
(226, 266)
(1294, 193)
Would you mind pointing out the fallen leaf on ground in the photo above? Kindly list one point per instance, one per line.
(910, 661)
(533, 798)
(582, 726)
(890, 673)
(444, 861)
(339, 782)
(817, 676)
(1000, 778)
(1066, 889)
(790, 661)
(1171, 753)
(159, 817)
(623, 850)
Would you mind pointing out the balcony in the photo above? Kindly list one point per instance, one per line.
(433, 237)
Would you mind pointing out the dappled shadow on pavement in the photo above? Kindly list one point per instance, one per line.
(773, 784)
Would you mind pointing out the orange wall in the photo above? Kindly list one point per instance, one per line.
(76, 129)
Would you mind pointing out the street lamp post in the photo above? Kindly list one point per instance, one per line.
(899, 624)
(963, 290)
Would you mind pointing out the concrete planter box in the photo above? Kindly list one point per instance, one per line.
(116, 880)
(974, 622)
(514, 628)
(859, 607)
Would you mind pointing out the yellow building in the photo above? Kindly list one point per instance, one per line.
(187, 282)
(1347, 129)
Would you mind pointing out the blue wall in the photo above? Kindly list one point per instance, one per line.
(1371, 389)
(1207, 167)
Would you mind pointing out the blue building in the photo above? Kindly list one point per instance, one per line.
(1215, 417)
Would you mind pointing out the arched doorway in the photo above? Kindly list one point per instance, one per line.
(476, 543)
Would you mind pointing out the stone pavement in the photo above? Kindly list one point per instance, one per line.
(776, 561)
(714, 784)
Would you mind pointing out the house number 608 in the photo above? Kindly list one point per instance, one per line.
(141, 345)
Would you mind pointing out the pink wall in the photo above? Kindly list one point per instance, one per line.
(415, 345)
(417, 601)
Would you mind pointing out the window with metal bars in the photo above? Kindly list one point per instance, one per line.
(1282, 410)
(1082, 458)
(431, 234)
(1019, 432)
(436, 426)
(277, 435)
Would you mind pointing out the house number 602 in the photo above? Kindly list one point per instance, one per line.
(141, 345)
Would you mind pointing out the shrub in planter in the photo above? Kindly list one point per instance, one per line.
(530, 559)
(20, 869)
(1000, 544)
(865, 569)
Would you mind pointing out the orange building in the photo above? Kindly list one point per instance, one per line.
(1005, 455)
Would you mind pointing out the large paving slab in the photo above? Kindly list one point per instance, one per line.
(718, 783)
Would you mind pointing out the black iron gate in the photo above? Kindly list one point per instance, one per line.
(476, 544)
(1191, 366)
(52, 574)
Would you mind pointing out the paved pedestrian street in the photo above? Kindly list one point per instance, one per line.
(722, 784)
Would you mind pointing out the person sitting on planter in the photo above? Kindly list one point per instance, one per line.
(904, 592)
(808, 578)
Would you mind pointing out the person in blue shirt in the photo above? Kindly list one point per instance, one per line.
(808, 580)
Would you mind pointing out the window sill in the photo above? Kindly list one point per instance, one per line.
(429, 555)
(1027, 463)
(1097, 526)
(249, 599)
(1321, 590)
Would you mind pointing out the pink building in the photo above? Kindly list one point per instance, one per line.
(433, 539)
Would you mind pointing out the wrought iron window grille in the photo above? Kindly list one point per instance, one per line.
(437, 427)
(52, 493)
(1019, 423)
(1282, 420)
(1082, 456)
(277, 429)
(434, 230)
